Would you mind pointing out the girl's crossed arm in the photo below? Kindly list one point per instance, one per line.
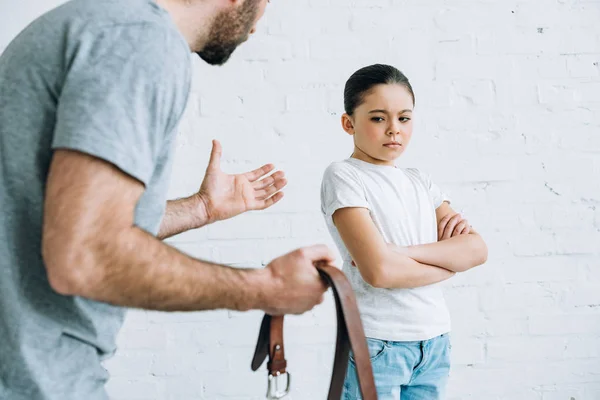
(380, 264)
(459, 248)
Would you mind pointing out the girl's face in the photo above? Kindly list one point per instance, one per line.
(382, 125)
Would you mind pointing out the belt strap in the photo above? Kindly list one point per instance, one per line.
(350, 335)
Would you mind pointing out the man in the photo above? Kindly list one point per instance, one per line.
(90, 97)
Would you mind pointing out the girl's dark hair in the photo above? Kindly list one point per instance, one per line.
(363, 80)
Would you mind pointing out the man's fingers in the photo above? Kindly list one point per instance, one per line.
(268, 181)
(259, 172)
(318, 252)
(263, 204)
(264, 182)
(214, 164)
(321, 299)
(269, 191)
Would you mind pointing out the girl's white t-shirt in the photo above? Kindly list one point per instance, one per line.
(402, 204)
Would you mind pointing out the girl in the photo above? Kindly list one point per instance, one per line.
(398, 237)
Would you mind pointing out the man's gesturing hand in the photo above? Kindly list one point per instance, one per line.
(222, 196)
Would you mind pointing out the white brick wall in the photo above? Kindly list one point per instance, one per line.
(508, 101)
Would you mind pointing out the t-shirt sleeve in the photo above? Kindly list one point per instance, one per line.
(341, 188)
(123, 94)
(437, 195)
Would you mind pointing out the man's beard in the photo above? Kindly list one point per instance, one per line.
(228, 31)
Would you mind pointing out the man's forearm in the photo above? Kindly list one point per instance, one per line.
(182, 215)
(162, 278)
(457, 254)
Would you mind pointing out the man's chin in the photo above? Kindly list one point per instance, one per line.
(213, 59)
(217, 55)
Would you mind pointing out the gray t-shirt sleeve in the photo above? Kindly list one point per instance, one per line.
(123, 95)
(341, 188)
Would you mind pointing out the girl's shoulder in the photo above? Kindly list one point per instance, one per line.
(341, 174)
(341, 167)
(418, 174)
(413, 171)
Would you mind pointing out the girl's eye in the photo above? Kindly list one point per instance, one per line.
(376, 119)
(404, 119)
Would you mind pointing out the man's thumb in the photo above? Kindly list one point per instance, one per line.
(215, 156)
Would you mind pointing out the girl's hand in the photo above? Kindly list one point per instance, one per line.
(453, 225)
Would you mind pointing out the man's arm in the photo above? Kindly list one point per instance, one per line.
(181, 215)
(91, 248)
(455, 251)
(222, 196)
(379, 264)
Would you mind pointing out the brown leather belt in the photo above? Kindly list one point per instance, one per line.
(350, 334)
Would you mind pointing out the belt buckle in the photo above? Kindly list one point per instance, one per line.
(273, 391)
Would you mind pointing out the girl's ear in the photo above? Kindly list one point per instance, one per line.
(348, 124)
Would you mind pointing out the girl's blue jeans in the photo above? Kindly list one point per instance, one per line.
(405, 370)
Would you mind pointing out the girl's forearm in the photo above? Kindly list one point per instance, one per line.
(412, 274)
(398, 271)
(459, 253)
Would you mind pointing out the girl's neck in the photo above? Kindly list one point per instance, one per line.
(362, 156)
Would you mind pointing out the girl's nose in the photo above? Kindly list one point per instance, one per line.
(393, 130)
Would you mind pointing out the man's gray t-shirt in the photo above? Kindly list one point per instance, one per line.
(109, 78)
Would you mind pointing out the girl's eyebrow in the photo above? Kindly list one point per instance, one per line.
(385, 112)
